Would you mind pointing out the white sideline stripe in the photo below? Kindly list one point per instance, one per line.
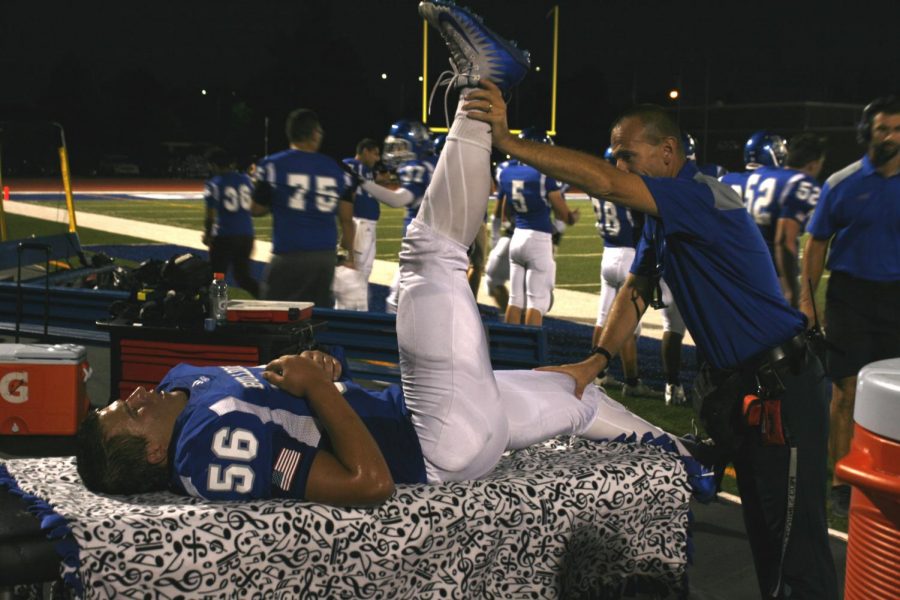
(570, 305)
(737, 500)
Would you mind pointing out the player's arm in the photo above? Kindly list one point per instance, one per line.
(355, 473)
(786, 255)
(262, 196)
(348, 229)
(561, 209)
(395, 198)
(629, 306)
(208, 220)
(593, 174)
(813, 266)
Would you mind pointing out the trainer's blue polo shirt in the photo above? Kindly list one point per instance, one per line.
(712, 256)
(861, 209)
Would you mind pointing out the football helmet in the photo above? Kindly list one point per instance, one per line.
(536, 135)
(690, 146)
(437, 144)
(608, 155)
(765, 148)
(406, 140)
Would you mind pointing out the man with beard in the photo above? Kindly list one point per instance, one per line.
(859, 214)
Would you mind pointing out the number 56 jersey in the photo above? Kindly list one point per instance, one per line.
(240, 438)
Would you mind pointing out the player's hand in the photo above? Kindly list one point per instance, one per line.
(574, 215)
(296, 374)
(486, 104)
(583, 372)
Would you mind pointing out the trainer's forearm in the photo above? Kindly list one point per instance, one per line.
(628, 307)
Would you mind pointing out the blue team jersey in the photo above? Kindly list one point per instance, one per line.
(365, 206)
(230, 196)
(713, 258)
(307, 189)
(861, 209)
(527, 191)
(415, 176)
(772, 193)
(240, 438)
(617, 224)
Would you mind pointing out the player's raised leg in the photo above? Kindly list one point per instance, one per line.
(448, 382)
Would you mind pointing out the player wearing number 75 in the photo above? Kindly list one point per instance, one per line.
(304, 190)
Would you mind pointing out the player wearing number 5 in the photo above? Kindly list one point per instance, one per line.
(228, 228)
(303, 190)
(779, 198)
(532, 271)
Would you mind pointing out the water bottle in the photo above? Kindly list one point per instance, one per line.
(218, 298)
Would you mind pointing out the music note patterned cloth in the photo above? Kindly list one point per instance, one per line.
(569, 518)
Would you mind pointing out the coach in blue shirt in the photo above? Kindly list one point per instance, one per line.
(700, 239)
(859, 214)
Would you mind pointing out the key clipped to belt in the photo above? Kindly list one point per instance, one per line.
(763, 410)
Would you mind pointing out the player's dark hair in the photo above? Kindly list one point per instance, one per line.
(805, 148)
(657, 123)
(118, 464)
(366, 144)
(301, 124)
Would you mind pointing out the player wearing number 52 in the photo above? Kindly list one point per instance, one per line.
(780, 190)
(303, 190)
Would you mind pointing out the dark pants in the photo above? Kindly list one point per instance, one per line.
(234, 250)
(301, 276)
(762, 475)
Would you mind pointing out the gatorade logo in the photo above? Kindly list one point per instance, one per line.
(14, 387)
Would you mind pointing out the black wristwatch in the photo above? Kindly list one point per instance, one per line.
(603, 352)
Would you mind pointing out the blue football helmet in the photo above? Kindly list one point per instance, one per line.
(536, 135)
(608, 155)
(690, 146)
(437, 144)
(407, 140)
(765, 148)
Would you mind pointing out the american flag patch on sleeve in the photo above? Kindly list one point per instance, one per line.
(285, 468)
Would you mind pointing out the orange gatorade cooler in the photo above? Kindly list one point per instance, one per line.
(42, 388)
(872, 467)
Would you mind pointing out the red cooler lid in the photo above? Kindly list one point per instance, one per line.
(878, 398)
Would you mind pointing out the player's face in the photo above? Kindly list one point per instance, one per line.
(147, 414)
(633, 153)
(370, 156)
(885, 138)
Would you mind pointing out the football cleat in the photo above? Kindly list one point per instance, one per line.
(476, 52)
(640, 389)
(675, 395)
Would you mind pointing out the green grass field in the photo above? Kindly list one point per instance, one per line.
(578, 263)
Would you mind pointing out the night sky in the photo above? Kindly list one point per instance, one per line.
(127, 77)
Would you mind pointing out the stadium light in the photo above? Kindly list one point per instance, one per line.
(384, 75)
(673, 94)
(203, 92)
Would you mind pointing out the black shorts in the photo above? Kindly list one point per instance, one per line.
(862, 321)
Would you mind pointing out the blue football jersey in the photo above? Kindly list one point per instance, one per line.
(712, 256)
(415, 176)
(772, 193)
(230, 195)
(617, 224)
(527, 191)
(240, 437)
(307, 189)
(365, 206)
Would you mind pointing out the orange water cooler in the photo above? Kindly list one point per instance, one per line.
(42, 388)
(872, 467)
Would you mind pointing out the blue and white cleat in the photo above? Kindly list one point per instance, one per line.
(476, 52)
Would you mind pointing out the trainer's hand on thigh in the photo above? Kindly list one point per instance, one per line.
(583, 373)
(486, 104)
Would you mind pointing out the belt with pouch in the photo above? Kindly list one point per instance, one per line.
(773, 365)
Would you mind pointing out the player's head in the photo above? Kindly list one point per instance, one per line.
(690, 146)
(646, 141)
(123, 448)
(806, 152)
(406, 140)
(303, 127)
(437, 144)
(368, 152)
(764, 149)
(879, 129)
(536, 135)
